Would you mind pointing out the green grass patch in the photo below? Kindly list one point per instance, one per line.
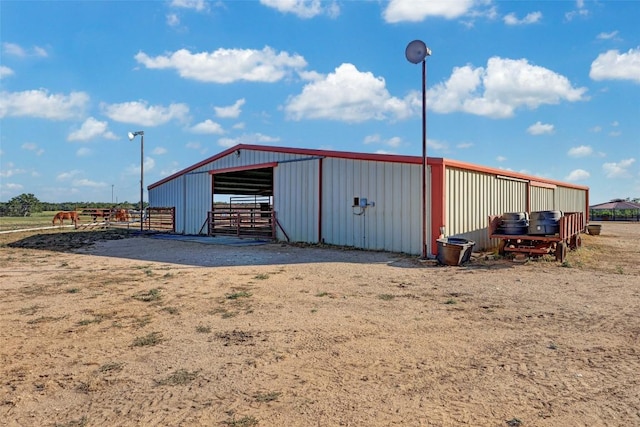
(267, 397)
(246, 421)
(261, 276)
(179, 377)
(171, 310)
(237, 295)
(148, 296)
(151, 339)
(203, 329)
(111, 367)
(451, 301)
(386, 297)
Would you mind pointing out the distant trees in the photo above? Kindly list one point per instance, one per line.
(26, 204)
(22, 205)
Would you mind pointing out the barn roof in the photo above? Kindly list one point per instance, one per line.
(394, 158)
(615, 205)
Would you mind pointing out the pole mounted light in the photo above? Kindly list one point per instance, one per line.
(417, 52)
(132, 135)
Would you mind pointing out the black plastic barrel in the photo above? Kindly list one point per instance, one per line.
(543, 223)
(454, 250)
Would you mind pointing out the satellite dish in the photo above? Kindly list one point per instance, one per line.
(131, 136)
(416, 51)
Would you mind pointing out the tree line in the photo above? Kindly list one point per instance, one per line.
(27, 204)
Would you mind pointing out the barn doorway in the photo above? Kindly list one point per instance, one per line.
(242, 203)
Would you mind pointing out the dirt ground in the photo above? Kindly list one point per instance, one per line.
(105, 329)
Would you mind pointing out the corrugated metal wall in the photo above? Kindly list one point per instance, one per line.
(472, 196)
(393, 224)
(296, 199)
(542, 199)
(191, 194)
(571, 200)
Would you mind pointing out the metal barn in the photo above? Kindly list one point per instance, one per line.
(368, 201)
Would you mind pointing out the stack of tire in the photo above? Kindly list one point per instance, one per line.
(514, 223)
(544, 223)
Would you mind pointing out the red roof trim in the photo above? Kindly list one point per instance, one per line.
(417, 160)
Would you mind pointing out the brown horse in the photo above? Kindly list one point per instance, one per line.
(61, 216)
(122, 215)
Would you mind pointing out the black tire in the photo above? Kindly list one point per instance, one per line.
(501, 246)
(514, 216)
(561, 251)
(542, 215)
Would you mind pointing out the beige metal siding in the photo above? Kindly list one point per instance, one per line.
(542, 199)
(296, 200)
(571, 200)
(393, 224)
(472, 196)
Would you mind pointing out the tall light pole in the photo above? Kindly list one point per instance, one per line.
(417, 52)
(132, 135)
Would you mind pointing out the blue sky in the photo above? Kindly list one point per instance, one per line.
(549, 88)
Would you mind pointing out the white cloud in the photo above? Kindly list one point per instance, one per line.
(12, 186)
(394, 141)
(434, 144)
(193, 145)
(5, 72)
(140, 113)
(39, 103)
(372, 139)
(134, 169)
(91, 128)
(464, 145)
(539, 128)
(580, 151)
(158, 151)
(254, 138)
(227, 65)
(416, 11)
(66, 176)
(347, 95)
(618, 170)
(578, 175)
(88, 183)
(173, 20)
(304, 8)
(501, 159)
(613, 65)
(83, 152)
(504, 86)
(607, 36)
(9, 169)
(198, 5)
(531, 18)
(208, 127)
(30, 146)
(13, 49)
(230, 112)
(579, 11)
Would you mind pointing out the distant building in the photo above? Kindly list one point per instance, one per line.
(368, 201)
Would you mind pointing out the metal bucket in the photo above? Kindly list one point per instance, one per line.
(454, 250)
